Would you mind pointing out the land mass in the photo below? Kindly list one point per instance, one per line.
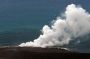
(36, 53)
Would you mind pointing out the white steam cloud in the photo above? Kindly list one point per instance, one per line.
(75, 23)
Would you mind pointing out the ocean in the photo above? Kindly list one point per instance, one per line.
(22, 20)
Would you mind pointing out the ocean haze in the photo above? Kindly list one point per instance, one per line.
(24, 15)
(21, 20)
(17, 13)
(32, 13)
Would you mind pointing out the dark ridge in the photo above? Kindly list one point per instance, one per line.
(37, 53)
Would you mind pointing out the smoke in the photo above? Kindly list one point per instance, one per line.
(76, 23)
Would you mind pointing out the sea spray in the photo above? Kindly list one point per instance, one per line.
(75, 23)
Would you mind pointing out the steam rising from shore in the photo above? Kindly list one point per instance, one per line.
(75, 23)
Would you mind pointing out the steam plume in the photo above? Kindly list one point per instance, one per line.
(75, 23)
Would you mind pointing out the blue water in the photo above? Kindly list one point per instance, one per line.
(22, 20)
(25, 16)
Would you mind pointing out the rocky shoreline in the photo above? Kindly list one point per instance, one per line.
(36, 53)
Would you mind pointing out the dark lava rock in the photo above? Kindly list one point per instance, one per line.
(37, 53)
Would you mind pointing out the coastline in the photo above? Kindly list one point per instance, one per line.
(35, 53)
